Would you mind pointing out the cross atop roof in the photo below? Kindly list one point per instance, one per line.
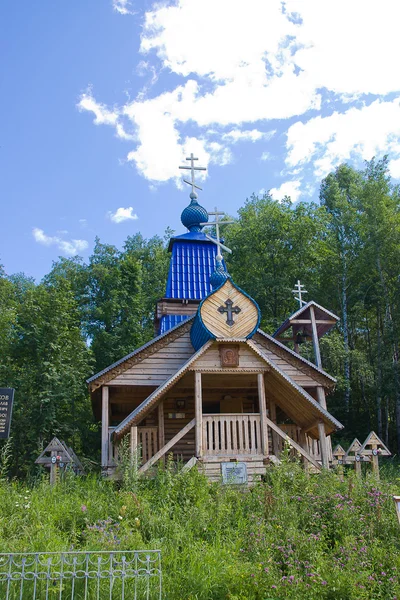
(299, 291)
(192, 168)
(217, 223)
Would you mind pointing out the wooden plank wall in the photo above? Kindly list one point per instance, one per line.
(158, 367)
(211, 359)
(293, 372)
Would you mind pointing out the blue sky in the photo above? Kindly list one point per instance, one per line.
(102, 100)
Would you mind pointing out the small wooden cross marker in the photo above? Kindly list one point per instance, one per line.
(230, 311)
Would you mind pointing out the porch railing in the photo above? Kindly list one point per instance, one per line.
(148, 442)
(118, 575)
(231, 434)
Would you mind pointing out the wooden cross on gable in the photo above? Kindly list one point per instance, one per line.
(217, 224)
(299, 291)
(192, 169)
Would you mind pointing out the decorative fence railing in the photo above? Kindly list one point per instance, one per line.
(148, 442)
(119, 575)
(228, 434)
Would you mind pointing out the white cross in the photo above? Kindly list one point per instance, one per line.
(192, 168)
(217, 223)
(299, 291)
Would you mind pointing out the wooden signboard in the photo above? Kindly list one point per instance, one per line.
(6, 404)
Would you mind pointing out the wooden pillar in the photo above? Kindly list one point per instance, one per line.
(53, 468)
(263, 413)
(317, 352)
(161, 435)
(272, 414)
(133, 442)
(322, 401)
(104, 425)
(322, 444)
(198, 397)
(375, 460)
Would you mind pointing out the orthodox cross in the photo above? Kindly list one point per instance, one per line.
(230, 310)
(217, 223)
(192, 168)
(299, 291)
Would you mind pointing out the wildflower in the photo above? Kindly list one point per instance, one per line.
(122, 510)
(324, 582)
(137, 522)
(83, 508)
(120, 517)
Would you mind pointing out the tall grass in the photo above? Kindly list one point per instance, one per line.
(292, 536)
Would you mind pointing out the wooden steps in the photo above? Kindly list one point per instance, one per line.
(211, 466)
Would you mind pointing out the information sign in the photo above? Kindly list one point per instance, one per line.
(234, 472)
(6, 404)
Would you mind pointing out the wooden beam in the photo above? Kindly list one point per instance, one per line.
(168, 446)
(323, 445)
(160, 413)
(263, 414)
(308, 321)
(294, 444)
(322, 401)
(104, 425)
(272, 412)
(312, 426)
(134, 439)
(321, 396)
(198, 413)
(317, 352)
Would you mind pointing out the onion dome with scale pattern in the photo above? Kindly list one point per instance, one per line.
(194, 214)
(219, 275)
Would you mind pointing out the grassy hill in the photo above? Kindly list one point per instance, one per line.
(293, 536)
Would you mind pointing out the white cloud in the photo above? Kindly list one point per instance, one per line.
(266, 156)
(363, 132)
(103, 115)
(394, 166)
(289, 188)
(124, 7)
(260, 63)
(123, 214)
(249, 135)
(67, 247)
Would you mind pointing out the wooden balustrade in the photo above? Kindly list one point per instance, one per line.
(148, 442)
(230, 434)
(294, 432)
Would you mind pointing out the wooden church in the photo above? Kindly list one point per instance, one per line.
(213, 388)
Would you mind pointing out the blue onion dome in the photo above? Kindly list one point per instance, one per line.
(194, 214)
(220, 274)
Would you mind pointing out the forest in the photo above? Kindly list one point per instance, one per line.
(82, 316)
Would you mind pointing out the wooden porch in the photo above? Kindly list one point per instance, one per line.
(210, 414)
(251, 437)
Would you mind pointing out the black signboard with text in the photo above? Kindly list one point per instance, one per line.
(6, 404)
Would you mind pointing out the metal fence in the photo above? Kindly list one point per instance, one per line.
(130, 575)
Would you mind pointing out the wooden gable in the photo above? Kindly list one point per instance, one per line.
(303, 373)
(212, 360)
(158, 367)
